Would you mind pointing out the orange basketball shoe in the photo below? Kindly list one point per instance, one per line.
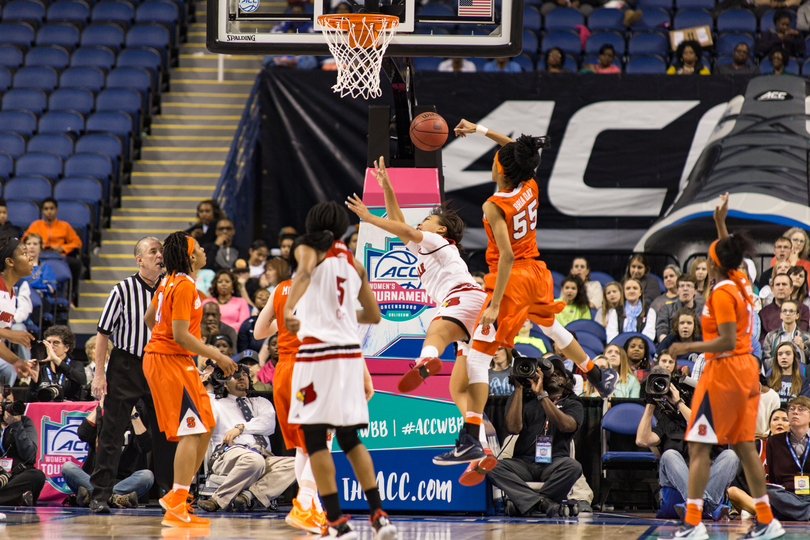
(306, 520)
(477, 471)
(424, 368)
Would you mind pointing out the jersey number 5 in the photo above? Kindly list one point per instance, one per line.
(521, 225)
(341, 290)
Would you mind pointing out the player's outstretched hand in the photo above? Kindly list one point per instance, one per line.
(464, 127)
(489, 316)
(381, 173)
(721, 210)
(227, 365)
(357, 206)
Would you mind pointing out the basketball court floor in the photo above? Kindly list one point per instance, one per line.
(79, 524)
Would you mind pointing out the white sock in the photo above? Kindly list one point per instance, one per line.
(316, 501)
(429, 352)
(482, 436)
(301, 458)
(175, 487)
(764, 499)
(305, 496)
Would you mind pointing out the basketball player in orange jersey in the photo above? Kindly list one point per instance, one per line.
(518, 286)
(181, 403)
(726, 400)
(307, 513)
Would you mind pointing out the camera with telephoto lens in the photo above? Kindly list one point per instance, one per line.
(658, 390)
(14, 408)
(218, 378)
(525, 368)
(50, 392)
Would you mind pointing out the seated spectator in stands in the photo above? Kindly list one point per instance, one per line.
(778, 61)
(786, 378)
(684, 327)
(555, 59)
(58, 236)
(628, 386)
(688, 60)
(582, 268)
(250, 358)
(208, 213)
(699, 269)
(686, 299)
(223, 343)
(740, 62)
(524, 336)
(589, 391)
(221, 254)
(666, 439)
(6, 227)
(576, 301)
(782, 37)
(351, 241)
(798, 248)
(782, 251)
(605, 66)
(257, 256)
(275, 271)
(546, 409)
(212, 325)
(788, 331)
(90, 351)
(285, 243)
(268, 358)
(789, 501)
(499, 371)
(502, 65)
(42, 279)
(771, 315)
(798, 278)
(459, 65)
(803, 18)
(479, 278)
(245, 339)
(766, 294)
(633, 316)
(233, 308)
(638, 354)
(134, 479)
(769, 403)
(670, 276)
(668, 362)
(240, 450)
(612, 296)
(58, 369)
(639, 269)
(20, 483)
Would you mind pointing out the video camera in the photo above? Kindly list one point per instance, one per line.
(658, 387)
(525, 368)
(14, 408)
(218, 378)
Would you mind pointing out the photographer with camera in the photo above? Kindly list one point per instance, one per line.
(58, 377)
(20, 481)
(545, 415)
(668, 401)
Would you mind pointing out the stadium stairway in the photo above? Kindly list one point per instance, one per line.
(181, 161)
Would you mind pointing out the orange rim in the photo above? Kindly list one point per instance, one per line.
(366, 26)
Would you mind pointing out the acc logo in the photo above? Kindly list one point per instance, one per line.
(774, 95)
(394, 277)
(248, 6)
(60, 444)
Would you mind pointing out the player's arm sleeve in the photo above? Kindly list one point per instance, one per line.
(431, 241)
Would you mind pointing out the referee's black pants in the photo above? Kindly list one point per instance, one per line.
(126, 384)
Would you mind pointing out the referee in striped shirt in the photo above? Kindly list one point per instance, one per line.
(124, 382)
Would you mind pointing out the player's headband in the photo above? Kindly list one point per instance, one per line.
(713, 253)
(190, 241)
(499, 166)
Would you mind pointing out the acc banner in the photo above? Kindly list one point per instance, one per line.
(621, 145)
(57, 424)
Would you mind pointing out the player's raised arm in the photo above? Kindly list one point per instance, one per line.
(405, 232)
(466, 127)
(391, 203)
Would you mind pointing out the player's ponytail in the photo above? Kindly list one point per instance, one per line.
(325, 222)
(521, 158)
(732, 249)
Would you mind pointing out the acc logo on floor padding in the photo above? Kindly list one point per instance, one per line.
(394, 278)
(60, 443)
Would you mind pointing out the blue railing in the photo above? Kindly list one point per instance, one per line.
(236, 187)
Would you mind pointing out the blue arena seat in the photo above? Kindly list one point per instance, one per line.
(532, 19)
(6, 165)
(766, 21)
(596, 40)
(93, 164)
(163, 12)
(24, 10)
(81, 188)
(134, 78)
(653, 19)
(26, 99)
(48, 55)
(105, 143)
(73, 99)
(61, 122)
(427, 63)
(82, 77)
(150, 35)
(75, 11)
(80, 216)
(33, 188)
(98, 57)
(10, 56)
(646, 65)
(5, 78)
(564, 19)
(43, 77)
(146, 58)
(589, 326)
(23, 122)
(728, 42)
(567, 41)
(530, 43)
(525, 61)
(569, 62)
(17, 33)
(117, 123)
(765, 66)
(12, 144)
(806, 67)
(122, 99)
(654, 4)
(24, 212)
(121, 12)
(694, 4)
(39, 163)
(689, 18)
(65, 35)
(737, 20)
(601, 277)
(57, 143)
(103, 35)
(649, 44)
(606, 19)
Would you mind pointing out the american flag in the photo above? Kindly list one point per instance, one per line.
(475, 8)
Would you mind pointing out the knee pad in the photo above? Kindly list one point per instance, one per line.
(314, 438)
(478, 367)
(558, 334)
(347, 439)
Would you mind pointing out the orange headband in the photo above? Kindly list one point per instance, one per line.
(190, 241)
(734, 275)
(499, 166)
(713, 253)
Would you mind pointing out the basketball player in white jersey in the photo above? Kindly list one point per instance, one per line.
(14, 265)
(446, 279)
(330, 382)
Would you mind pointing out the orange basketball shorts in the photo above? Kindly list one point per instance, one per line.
(282, 394)
(529, 294)
(182, 405)
(726, 401)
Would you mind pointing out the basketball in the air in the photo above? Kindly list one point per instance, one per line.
(428, 131)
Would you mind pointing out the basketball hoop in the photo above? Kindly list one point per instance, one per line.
(358, 42)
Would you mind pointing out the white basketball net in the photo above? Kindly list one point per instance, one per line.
(358, 45)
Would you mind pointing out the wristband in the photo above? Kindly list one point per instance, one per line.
(541, 396)
(481, 129)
